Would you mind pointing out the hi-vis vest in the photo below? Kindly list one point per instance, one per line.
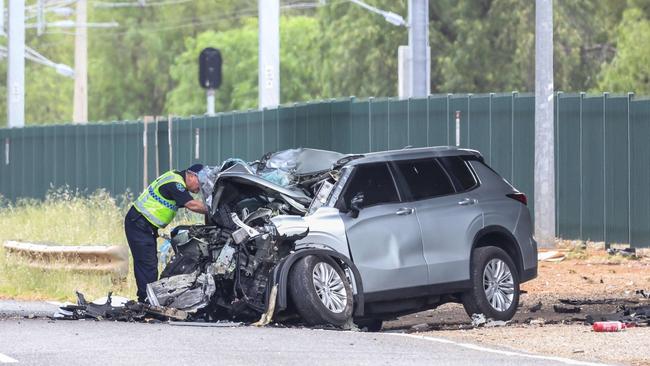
(153, 206)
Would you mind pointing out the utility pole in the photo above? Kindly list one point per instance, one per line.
(544, 129)
(419, 74)
(80, 106)
(16, 68)
(269, 53)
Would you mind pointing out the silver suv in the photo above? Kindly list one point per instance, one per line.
(364, 237)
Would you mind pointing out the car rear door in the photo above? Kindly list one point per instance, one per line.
(385, 240)
(449, 215)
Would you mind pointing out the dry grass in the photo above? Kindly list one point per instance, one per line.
(66, 218)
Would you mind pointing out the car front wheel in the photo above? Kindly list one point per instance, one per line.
(320, 291)
(495, 285)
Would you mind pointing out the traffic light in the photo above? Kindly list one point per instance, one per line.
(210, 68)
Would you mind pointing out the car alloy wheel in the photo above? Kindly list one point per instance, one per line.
(330, 287)
(498, 284)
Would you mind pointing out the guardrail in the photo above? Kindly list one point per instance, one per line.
(102, 259)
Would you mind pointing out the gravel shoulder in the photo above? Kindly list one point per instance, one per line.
(597, 276)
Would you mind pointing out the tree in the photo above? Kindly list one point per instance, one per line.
(299, 67)
(628, 71)
(129, 67)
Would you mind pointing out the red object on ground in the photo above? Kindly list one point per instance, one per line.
(608, 326)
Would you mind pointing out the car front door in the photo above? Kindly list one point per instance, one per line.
(449, 216)
(384, 239)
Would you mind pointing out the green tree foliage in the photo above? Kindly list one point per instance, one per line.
(129, 70)
(628, 71)
(298, 70)
(147, 66)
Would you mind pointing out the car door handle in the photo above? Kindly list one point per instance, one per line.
(404, 211)
(467, 201)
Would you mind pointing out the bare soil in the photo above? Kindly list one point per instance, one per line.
(593, 276)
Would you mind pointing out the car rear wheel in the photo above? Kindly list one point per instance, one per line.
(495, 285)
(320, 291)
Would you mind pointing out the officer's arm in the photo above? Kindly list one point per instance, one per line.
(196, 206)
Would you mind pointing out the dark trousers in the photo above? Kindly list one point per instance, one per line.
(141, 236)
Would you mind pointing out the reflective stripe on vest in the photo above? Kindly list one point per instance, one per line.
(153, 206)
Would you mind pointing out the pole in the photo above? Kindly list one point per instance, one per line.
(80, 107)
(210, 97)
(418, 46)
(544, 129)
(16, 67)
(269, 53)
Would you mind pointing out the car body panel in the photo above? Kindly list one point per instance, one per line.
(448, 229)
(326, 227)
(386, 248)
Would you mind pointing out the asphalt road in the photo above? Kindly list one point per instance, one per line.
(44, 342)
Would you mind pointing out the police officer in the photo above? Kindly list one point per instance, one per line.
(153, 210)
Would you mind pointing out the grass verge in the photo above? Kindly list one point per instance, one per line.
(66, 218)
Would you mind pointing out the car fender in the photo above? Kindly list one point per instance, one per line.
(517, 257)
(281, 275)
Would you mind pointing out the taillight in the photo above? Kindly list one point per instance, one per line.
(519, 197)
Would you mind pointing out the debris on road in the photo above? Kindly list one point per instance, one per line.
(566, 309)
(535, 308)
(608, 326)
(625, 252)
(608, 301)
(478, 320)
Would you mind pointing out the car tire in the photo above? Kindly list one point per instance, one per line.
(495, 284)
(309, 281)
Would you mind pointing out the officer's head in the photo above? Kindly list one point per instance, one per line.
(192, 178)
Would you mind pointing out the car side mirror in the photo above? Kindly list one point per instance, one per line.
(355, 205)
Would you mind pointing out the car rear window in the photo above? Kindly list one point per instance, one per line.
(424, 178)
(375, 182)
(459, 171)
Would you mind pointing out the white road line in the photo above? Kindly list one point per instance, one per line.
(475, 347)
(7, 359)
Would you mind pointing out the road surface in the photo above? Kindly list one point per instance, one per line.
(47, 342)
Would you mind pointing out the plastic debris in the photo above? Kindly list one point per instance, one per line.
(478, 320)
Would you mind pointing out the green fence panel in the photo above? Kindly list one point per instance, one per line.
(437, 124)
(341, 115)
(240, 137)
(359, 127)
(378, 122)
(593, 182)
(640, 173)
(501, 134)
(398, 124)
(301, 124)
(280, 128)
(4, 165)
(523, 132)
(602, 154)
(479, 125)
(568, 166)
(616, 170)
(320, 126)
(417, 122)
(93, 157)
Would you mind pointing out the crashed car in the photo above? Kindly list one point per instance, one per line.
(338, 238)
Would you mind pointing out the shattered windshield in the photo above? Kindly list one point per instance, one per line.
(338, 187)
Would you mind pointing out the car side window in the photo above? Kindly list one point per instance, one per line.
(459, 171)
(424, 178)
(374, 181)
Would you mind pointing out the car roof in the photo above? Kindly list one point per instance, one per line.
(413, 153)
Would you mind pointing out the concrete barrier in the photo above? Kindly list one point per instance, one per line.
(103, 259)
